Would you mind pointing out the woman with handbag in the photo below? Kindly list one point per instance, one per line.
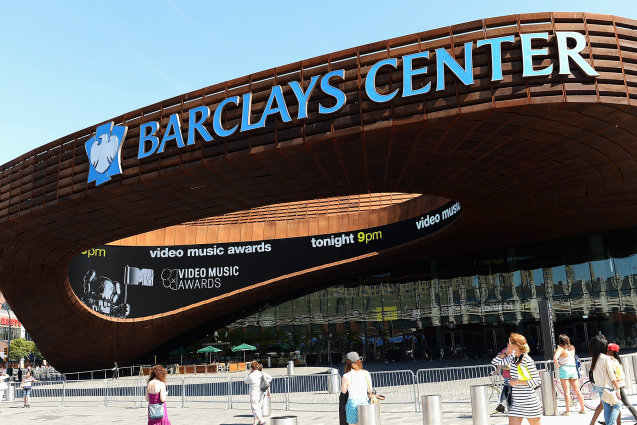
(356, 383)
(259, 383)
(156, 394)
(524, 402)
(604, 380)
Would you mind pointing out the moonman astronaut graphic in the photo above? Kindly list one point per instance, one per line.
(104, 295)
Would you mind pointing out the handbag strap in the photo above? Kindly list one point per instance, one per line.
(612, 378)
(369, 382)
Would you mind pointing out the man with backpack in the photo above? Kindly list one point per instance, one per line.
(259, 383)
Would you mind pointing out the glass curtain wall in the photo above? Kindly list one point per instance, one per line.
(590, 281)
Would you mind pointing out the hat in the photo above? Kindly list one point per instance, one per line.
(613, 347)
(352, 356)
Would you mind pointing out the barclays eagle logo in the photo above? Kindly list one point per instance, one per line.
(104, 152)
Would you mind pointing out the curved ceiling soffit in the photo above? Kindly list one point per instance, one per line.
(466, 138)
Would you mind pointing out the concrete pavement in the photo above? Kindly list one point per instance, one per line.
(203, 414)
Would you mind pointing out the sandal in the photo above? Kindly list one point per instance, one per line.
(582, 412)
(565, 413)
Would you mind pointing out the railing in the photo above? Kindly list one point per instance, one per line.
(402, 388)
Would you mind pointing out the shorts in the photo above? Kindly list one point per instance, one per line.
(568, 372)
(351, 409)
(27, 392)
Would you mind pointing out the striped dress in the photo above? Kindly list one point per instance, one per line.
(525, 402)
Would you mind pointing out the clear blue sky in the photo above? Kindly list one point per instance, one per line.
(67, 65)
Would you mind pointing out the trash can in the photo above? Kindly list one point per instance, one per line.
(369, 414)
(479, 406)
(267, 406)
(549, 402)
(290, 368)
(431, 409)
(284, 420)
(333, 386)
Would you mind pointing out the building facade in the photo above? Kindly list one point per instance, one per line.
(510, 140)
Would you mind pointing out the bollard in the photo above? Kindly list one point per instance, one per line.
(290, 368)
(269, 362)
(634, 358)
(332, 381)
(479, 406)
(267, 406)
(11, 392)
(431, 409)
(284, 420)
(369, 414)
(628, 377)
(549, 402)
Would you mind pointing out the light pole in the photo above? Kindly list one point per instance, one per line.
(5, 306)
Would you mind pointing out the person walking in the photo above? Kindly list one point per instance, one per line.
(156, 393)
(356, 383)
(602, 376)
(3, 383)
(115, 370)
(258, 392)
(524, 380)
(564, 360)
(613, 353)
(26, 387)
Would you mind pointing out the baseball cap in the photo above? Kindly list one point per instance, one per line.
(352, 356)
(613, 347)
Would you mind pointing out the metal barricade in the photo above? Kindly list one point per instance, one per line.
(126, 390)
(92, 392)
(399, 387)
(311, 389)
(213, 390)
(454, 383)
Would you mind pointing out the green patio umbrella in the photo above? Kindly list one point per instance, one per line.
(179, 352)
(208, 349)
(244, 347)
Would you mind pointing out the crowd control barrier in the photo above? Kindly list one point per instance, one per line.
(403, 389)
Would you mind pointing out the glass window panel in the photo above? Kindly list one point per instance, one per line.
(602, 271)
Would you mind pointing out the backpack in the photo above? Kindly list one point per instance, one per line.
(578, 366)
(264, 385)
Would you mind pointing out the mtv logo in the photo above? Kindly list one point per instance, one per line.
(137, 276)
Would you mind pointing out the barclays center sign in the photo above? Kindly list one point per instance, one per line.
(104, 149)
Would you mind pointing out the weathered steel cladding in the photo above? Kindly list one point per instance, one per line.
(529, 159)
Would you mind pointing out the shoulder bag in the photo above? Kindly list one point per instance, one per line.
(156, 411)
(609, 396)
(264, 385)
(371, 393)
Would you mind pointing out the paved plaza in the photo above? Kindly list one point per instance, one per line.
(88, 414)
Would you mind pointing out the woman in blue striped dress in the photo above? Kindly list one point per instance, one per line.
(525, 402)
